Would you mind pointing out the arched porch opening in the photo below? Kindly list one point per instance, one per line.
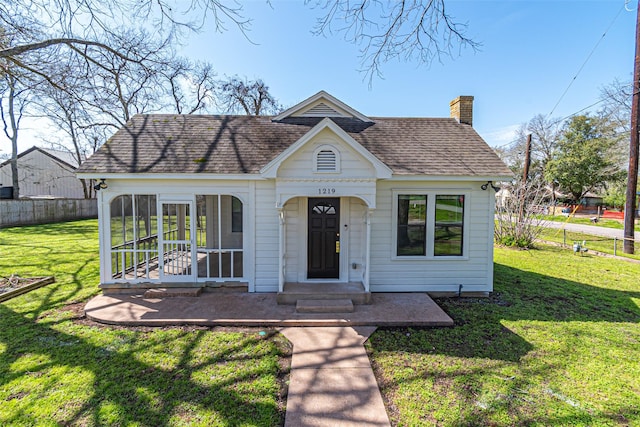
(324, 240)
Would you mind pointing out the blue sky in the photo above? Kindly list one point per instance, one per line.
(530, 53)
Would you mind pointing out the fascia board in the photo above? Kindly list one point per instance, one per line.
(172, 176)
(457, 178)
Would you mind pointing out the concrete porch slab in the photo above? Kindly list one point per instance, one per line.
(261, 309)
(324, 306)
(172, 292)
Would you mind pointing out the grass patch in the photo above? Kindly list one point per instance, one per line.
(558, 343)
(598, 243)
(57, 368)
(586, 220)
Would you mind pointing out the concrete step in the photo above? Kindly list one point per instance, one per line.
(172, 292)
(324, 306)
(323, 291)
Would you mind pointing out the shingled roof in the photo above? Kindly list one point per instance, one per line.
(166, 143)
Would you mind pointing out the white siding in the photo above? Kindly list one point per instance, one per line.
(388, 273)
(295, 234)
(301, 163)
(473, 272)
(41, 175)
(266, 237)
(357, 239)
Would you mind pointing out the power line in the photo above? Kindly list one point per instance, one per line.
(587, 60)
(559, 120)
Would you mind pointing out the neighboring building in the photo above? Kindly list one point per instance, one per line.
(318, 194)
(44, 172)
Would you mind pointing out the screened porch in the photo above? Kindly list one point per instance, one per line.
(155, 239)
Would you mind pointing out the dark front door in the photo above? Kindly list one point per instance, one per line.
(324, 239)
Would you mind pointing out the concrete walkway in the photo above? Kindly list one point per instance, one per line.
(331, 381)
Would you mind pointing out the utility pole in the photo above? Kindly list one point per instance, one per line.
(632, 178)
(527, 160)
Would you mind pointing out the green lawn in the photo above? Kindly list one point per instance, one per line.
(557, 344)
(56, 368)
(586, 220)
(598, 243)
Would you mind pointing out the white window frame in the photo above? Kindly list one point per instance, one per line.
(430, 226)
(336, 153)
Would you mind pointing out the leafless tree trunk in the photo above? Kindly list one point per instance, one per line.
(11, 116)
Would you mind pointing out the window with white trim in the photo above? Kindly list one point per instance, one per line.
(412, 225)
(429, 224)
(449, 225)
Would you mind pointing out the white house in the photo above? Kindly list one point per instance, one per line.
(320, 194)
(44, 172)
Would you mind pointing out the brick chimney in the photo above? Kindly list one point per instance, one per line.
(462, 109)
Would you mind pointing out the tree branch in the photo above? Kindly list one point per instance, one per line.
(11, 52)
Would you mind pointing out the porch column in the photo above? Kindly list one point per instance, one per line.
(367, 251)
(281, 249)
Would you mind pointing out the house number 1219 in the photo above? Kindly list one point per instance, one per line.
(326, 191)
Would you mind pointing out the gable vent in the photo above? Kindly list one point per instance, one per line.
(326, 161)
(321, 110)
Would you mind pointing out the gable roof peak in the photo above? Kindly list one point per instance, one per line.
(322, 105)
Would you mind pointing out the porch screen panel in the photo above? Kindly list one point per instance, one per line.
(449, 225)
(134, 246)
(146, 235)
(219, 228)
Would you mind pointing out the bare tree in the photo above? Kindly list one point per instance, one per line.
(192, 86)
(82, 28)
(616, 104)
(408, 30)
(73, 121)
(544, 138)
(14, 98)
(249, 97)
(616, 111)
(519, 219)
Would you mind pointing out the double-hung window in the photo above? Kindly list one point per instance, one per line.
(429, 224)
(412, 224)
(449, 225)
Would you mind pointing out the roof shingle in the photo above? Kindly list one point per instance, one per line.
(166, 143)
